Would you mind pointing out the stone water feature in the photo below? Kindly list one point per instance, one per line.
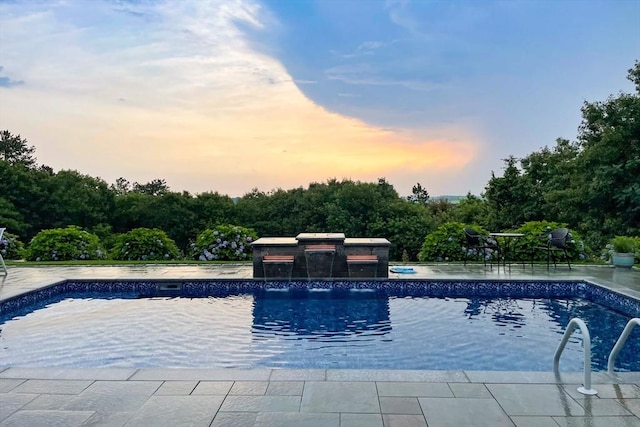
(320, 256)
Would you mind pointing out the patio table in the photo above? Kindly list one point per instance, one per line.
(508, 239)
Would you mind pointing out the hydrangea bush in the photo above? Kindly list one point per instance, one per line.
(224, 243)
(10, 246)
(448, 243)
(144, 244)
(64, 244)
(536, 233)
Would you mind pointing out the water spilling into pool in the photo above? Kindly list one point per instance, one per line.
(363, 329)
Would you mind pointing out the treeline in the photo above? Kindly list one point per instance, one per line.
(591, 184)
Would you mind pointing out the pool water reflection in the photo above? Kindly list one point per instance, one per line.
(363, 329)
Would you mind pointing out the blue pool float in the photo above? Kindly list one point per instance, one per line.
(403, 270)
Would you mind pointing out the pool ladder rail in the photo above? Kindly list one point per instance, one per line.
(586, 339)
(620, 343)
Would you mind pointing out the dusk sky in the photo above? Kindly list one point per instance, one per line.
(230, 95)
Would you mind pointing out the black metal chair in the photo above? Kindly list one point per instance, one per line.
(556, 242)
(479, 242)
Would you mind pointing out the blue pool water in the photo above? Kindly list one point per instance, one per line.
(363, 329)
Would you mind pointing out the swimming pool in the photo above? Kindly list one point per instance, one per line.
(468, 325)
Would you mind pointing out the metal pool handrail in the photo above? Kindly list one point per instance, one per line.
(586, 339)
(621, 341)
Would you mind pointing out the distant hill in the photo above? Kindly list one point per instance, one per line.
(451, 199)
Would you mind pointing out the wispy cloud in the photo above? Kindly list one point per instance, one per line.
(366, 48)
(203, 109)
(367, 74)
(5, 81)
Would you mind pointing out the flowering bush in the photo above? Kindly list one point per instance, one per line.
(64, 244)
(448, 243)
(144, 244)
(535, 233)
(10, 246)
(224, 243)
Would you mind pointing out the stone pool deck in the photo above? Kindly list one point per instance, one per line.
(325, 398)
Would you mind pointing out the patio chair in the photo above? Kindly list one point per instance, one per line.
(556, 243)
(4, 267)
(479, 242)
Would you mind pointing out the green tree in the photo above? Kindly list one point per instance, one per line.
(14, 149)
(505, 197)
(471, 210)
(609, 139)
(418, 194)
(154, 188)
(77, 199)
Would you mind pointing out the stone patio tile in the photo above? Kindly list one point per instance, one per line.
(599, 407)
(261, 404)
(213, 387)
(395, 375)
(249, 388)
(173, 411)
(414, 389)
(107, 374)
(618, 391)
(10, 402)
(50, 401)
(285, 388)
(298, 375)
(176, 388)
(393, 420)
(359, 397)
(53, 386)
(511, 377)
(47, 418)
(400, 405)
(196, 374)
(120, 396)
(361, 420)
(109, 419)
(632, 405)
(107, 403)
(534, 421)
(469, 390)
(597, 421)
(535, 399)
(463, 411)
(234, 419)
(629, 377)
(296, 419)
(572, 390)
(8, 384)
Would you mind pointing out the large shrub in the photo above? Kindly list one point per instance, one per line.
(10, 246)
(224, 243)
(64, 244)
(448, 243)
(144, 244)
(536, 233)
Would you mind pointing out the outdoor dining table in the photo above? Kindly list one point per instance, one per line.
(508, 239)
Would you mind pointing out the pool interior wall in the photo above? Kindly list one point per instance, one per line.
(430, 288)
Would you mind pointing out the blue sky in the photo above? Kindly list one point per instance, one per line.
(221, 95)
